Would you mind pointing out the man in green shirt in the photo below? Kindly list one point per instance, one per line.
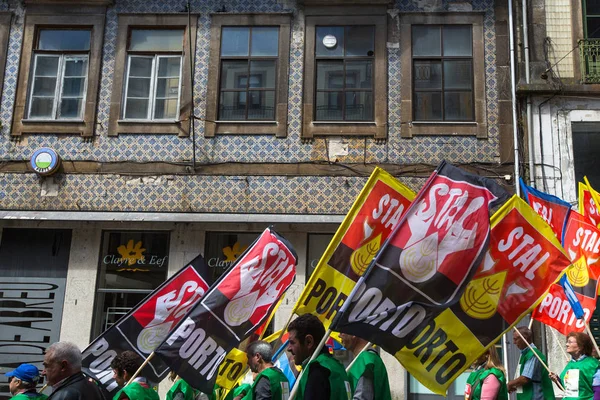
(270, 383)
(22, 382)
(324, 378)
(368, 375)
(124, 366)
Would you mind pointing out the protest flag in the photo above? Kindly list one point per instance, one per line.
(587, 203)
(572, 297)
(421, 271)
(554, 210)
(147, 325)
(230, 311)
(376, 211)
(582, 244)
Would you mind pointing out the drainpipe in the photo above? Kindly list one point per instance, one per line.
(513, 89)
(528, 98)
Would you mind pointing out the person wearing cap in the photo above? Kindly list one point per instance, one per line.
(22, 382)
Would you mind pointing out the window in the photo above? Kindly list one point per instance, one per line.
(152, 80)
(443, 74)
(59, 75)
(591, 19)
(247, 90)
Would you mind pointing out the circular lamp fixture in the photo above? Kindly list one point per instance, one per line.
(45, 161)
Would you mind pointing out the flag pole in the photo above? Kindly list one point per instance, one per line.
(43, 388)
(589, 332)
(558, 341)
(538, 357)
(146, 361)
(369, 344)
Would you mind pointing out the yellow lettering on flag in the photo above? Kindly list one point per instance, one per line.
(375, 213)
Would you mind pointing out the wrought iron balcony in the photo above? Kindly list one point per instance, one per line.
(589, 54)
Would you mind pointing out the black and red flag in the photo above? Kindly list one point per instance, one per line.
(231, 311)
(426, 262)
(147, 325)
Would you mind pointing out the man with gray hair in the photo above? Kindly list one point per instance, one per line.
(62, 368)
(270, 383)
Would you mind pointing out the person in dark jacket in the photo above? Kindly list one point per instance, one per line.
(62, 369)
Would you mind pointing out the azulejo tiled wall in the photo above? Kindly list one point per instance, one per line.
(145, 148)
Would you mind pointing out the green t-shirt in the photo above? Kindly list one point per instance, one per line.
(339, 382)
(475, 383)
(370, 360)
(23, 396)
(135, 391)
(577, 378)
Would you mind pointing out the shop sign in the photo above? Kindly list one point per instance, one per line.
(136, 252)
(45, 161)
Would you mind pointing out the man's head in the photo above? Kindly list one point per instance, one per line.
(61, 360)
(353, 343)
(306, 332)
(25, 377)
(518, 340)
(125, 365)
(260, 354)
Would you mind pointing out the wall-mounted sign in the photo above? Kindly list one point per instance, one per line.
(329, 41)
(45, 161)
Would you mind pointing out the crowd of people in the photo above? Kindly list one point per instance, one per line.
(324, 377)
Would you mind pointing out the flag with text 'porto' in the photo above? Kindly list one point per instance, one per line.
(423, 269)
(375, 213)
(231, 310)
(147, 325)
(582, 243)
(554, 210)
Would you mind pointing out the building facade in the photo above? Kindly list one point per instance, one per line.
(187, 127)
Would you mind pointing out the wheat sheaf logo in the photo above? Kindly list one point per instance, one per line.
(578, 273)
(481, 297)
(232, 253)
(132, 253)
(362, 257)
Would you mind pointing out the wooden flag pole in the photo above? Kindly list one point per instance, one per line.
(589, 332)
(539, 358)
(567, 357)
(146, 361)
(43, 388)
(369, 344)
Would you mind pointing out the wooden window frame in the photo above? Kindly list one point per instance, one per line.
(344, 16)
(409, 127)
(278, 126)
(92, 20)
(181, 127)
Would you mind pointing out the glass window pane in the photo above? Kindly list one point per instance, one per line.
(359, 74)
(329, 106)
(156, 40)
(234, 74)
(69, 108)
(167, 87)
(44, 86)
(262, 74)
(235, 41)
(592, 7)
(458, 106)
(593, 28)
(426, 40)
(232, 106)
(140, 66)
(331, 32)
(330, 75)
(458, 41)
(41, 107)
(360, 41)
(136, 109)
(359, 106)
(76, 67)
(265, 41)
(165, 109)
(64, 39)
(46, 66)
(73, 87)
(138, 87)
(262, 105)
(169, 66)
(428, 106)
(427, 75)
(458, 74)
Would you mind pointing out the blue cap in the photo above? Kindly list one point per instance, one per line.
(25, 372)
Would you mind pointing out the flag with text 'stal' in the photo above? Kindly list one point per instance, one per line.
(231, 310)
(587, 203)
(147, 325)
(427, 261)
(582, 244)
(554, 210)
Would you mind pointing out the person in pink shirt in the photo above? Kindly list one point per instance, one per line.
(488, 379)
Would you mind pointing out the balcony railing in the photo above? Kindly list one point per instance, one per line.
(589, 52)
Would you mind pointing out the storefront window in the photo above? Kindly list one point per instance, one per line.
(132, 264)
